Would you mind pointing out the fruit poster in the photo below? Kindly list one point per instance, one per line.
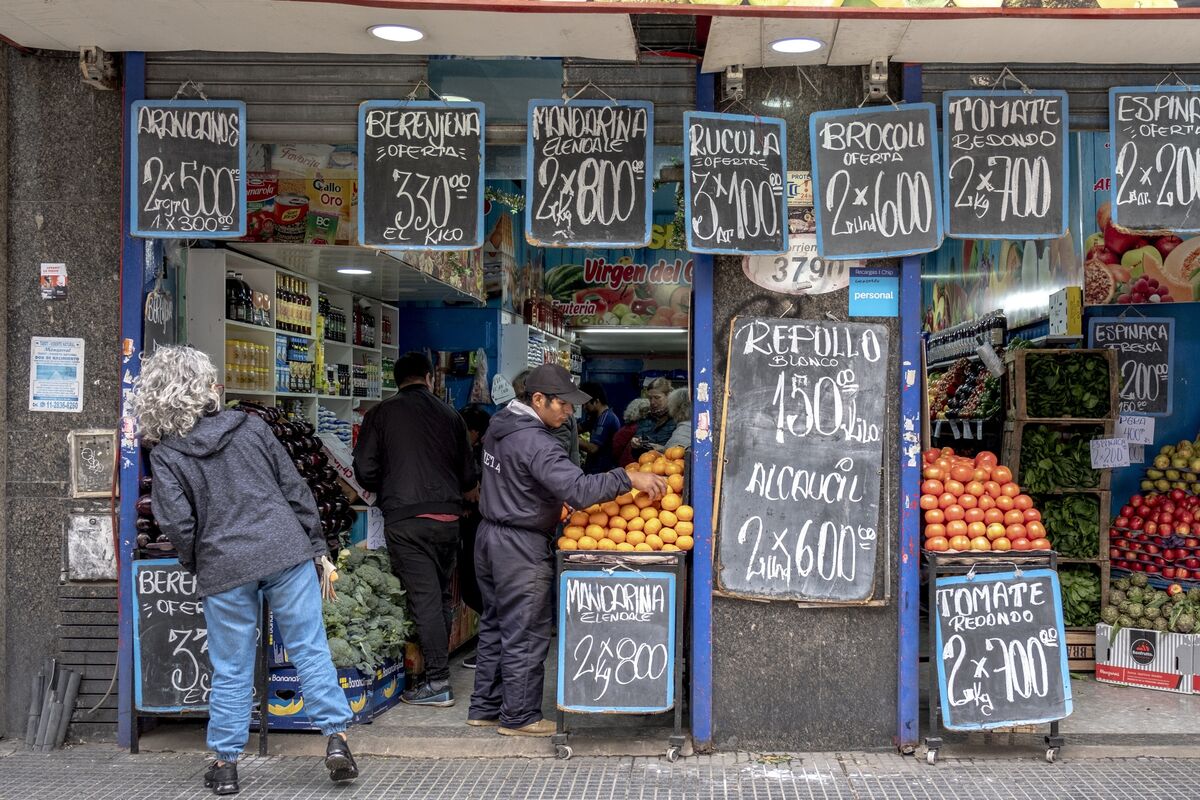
(1125, 268)
(650, 287)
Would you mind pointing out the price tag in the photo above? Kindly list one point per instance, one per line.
(1110, 453)
(375, 538)
(1137, 453)
(801, 271)
(1136, 429)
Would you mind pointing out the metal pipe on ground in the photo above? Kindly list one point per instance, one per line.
(68, 709)
(46, 737)
(35, 707)
(51, 669)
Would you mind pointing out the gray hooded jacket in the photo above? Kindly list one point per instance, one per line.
(229, 498)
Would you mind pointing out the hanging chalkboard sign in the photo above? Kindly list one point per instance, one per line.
(188, 169)
(876, 181)
(587, 181)
(1154, 157)
(805, 406)
(172, 671)
(1005, 164)
(1001, 650)
(616, 641)
(734, 174)
(1145, 356)
(420, 175)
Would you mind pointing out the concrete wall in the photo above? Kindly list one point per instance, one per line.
(62, 193)
(788, 678)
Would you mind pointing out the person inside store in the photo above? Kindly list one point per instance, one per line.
(567, 434)
(227, 495)
(622, 445)
(657, 427)
(477, 420)
(679, 409)
(414, 451)
(527, 477)
(602, 426)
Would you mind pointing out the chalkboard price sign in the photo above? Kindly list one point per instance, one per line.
(876, 181)
(1006, 164)
(799, 493)
(616, 645)
(420, 175)
(735, 169)
(1154, 155)
(1145, 357)
(188, 169)
(172, 671)
(588, 176)
(1002, 656)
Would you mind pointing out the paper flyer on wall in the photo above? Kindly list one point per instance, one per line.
(55, 374)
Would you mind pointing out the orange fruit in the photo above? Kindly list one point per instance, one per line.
(646, 468)
(643, 548)
(624, 500)
(667, 518)
(632, 467)
(655, 542)
(648, 457)
(684, 528)
(625, 547)
(674, 469)
(636, 524)
(684, 543)
(617, 523)
(592, 509)
(629, 511)
(653, 526)
(616, 534)
(573, 532)
(675, 482)
(668, 535)
(606, 544)
(611, 508)
(579, 518)
(659, 468)
(567, 544)
(643, 501)
(635, 537)
(649, 513)
(674, 453)
(587, 543)
(684, 513)
(594, 532)
(670, 548)
(671, 502)
(600, 519)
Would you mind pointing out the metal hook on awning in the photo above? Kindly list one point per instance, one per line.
(413, 94)
(887, 97)
(1005, 76)
(197, 87)
(584, 88)
(1172, 74)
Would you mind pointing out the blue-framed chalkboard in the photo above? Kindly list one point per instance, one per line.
(421, 174)
(738, 165)
(588, 173)
(172, 673)
(616, 641)
(1145, 360)
(1001, 649)
(877, 185)
(1152, 140)
(187, 169)
(996, 161)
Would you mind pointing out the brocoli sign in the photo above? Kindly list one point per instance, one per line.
(1002, 656)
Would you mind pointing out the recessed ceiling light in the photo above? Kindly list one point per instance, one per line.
(353, 271)
(797, 44)
(455, 98)
(396, 33)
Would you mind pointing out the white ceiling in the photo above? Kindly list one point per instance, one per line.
(283, 26)
(1041, 40)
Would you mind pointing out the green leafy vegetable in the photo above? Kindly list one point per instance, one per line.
(1072, 522)
(1052, 458)
(367, 623)
(1067, 385)
(1080, 596)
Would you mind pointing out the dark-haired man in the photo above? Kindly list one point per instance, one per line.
(414, 452)
(527, 476)
(603, 424)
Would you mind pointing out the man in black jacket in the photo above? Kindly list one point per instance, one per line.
(414, 451)
(527, 476)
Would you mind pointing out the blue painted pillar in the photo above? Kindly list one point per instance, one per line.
(908, 657)
(702, 473)
(132, 292)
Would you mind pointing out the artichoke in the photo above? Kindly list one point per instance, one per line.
(1135, 595)
(1139, 579)
(1122, 584)
(1124, 621)
(1124, 607)
(1161, 624)
(1117, 596)
(1110, 614)
(1186, 623)
(1194, 594)
(1152, 613)
(1135, 610)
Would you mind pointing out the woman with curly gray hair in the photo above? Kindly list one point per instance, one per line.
(245, 523)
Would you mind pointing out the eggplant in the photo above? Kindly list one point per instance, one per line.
(145, 525)
(146, 485)
(143, 539)
(300, 466)
(144, 507)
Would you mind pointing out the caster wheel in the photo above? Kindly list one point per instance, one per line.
(1051, 755)
(563, 751)
(931, 757)
(672, 754)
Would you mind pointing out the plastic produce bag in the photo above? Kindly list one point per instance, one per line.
(479, 387)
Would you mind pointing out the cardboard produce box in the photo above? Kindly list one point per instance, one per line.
(285, 700)
(1169, 662)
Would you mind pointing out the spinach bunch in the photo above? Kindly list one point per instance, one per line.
(1072, 523)
(1055, 459)
(1063, 385)
(1080, 596)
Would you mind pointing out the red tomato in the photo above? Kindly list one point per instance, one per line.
(1010, 490)
(974, 515)
(1002, 475)
(1004, 503)
(1020, 544)
(932, 487)
(992, 488)
(935, 515)
(1033, 515)
(931, 455)
(961, 543)
(947, 500)
(976, 529)
(1036, 530)
(928, 501)
(938, 543)
(986, 502)
(975, 488)
(1015, 532)
(956, 528)
(1014, 517)
(1039, 544)
(1023, 501)
(968, 500)
(933, 531)
(955, 487)
(955, 512)
(985, 458)
(933, 473)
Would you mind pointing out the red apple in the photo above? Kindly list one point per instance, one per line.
(1150, 527)
(1102, 254)
(1136, 501)
(1169, 573)
(1121, 522)
(1182, 528)
(1126, 511)
(1192, 563)
(1165, 244)
(1151, 569)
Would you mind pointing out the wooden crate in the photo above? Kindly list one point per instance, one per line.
(1014, 432)
(1016, 400)
(1081, 649)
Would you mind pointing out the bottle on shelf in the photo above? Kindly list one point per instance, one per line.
(232, 296)
(386, 327)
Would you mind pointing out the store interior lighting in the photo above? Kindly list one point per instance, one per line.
(353, 271)
(396, 33)
(797, 44)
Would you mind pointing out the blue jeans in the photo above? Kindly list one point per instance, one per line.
(294, 596)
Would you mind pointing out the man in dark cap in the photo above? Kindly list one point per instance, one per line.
(527, 476)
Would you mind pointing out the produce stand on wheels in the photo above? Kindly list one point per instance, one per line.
(620, 638)
(959, 567)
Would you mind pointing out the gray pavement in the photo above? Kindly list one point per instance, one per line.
(105, 773)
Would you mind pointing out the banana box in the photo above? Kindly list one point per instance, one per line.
(387, 687)
(1169, 662)
(285, 698)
